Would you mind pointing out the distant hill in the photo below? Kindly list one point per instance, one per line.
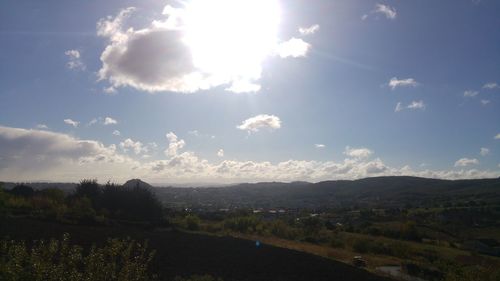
(384, 191)
(136, 182)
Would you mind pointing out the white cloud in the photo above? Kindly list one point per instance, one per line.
(135, 146)
(414, 105)
(497, 137)
(470, 93)
(319, 145)
(309, 30)
(109, 121)
(254, 124)
(194, 133)
(36, 154)
(161, 57)
(386, 10)
(491, 86)
(74, 60)
(42, 126)
(463, 162)
(33, 155)
(399, 107)
(243, 86)
(359, 153)
(109, 90)
(116, 133)
(364, 17)
(408, 82)
(220, 153)
(71, 122)
(294, 48)
(174, 144)
(93, 121)
(485, 102)
(484, 151)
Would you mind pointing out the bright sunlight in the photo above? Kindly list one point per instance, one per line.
(231, 38)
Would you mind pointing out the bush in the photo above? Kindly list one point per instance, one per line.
(22, 190)
(247, 224)
(123, 260)
(192, 222)
(90, 189)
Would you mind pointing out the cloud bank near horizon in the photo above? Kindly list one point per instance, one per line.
(30, 154)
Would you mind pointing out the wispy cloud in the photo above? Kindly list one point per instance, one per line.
(497, 137)
(491, 86)
(319, 145)
(463, 162)
(220, 153)
(309, 30)
(408, 82)
(484, 151)
(42, 127)
(109, 121)
(414, 105)
(71, 122)
(74, 60)
(388, 11)
(470, 93)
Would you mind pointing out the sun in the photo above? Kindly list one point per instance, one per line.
(231, 38)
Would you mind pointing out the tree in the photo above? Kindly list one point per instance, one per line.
(89, 188)
(22, 190)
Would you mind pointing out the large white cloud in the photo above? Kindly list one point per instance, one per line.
(254, 124)
(38, 155)
(159, 57)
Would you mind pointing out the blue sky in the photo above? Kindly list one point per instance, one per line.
(302, 90)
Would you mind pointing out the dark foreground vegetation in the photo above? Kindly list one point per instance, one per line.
(400, 227)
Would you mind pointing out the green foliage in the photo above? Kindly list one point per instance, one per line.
(22, 190)
(192, 222)
(312, 225)
(54, 260)
(281, 229)
(88, 188)
(247, 224)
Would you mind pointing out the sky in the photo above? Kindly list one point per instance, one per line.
(227, 91)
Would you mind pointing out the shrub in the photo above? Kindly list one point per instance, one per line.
(192, 222)
(54, 260)
(22, 190)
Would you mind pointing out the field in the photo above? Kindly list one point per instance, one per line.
(182, 254)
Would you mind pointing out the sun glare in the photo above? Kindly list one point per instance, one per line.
(231, 37)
